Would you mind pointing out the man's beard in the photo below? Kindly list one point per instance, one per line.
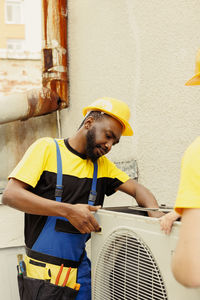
(91, 144)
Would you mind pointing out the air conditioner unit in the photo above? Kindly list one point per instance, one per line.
(131, 258)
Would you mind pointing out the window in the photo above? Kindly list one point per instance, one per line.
(14, 12)
(15, 45)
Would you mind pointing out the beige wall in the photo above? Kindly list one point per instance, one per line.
(142, 52)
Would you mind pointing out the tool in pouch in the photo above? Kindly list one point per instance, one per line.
(64, 285)
(21, 267)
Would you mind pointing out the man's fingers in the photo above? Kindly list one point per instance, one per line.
(94, 208)
(93, 222)
(88, 225)
(85, 221)
(85, 228)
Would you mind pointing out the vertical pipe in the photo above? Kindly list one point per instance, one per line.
(54, 52)
(54, 94)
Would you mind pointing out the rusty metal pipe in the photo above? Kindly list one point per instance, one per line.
(54, 52)
(13, 107)
(54, 94)
(22, 106)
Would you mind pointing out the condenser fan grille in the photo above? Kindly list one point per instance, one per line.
(126, 270)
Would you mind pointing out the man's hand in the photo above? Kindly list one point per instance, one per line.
(81, 217)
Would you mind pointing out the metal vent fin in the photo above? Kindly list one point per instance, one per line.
(126, 270)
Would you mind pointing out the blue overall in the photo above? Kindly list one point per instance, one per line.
(68, 245)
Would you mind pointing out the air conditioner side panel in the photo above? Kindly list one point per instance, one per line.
(160, 245)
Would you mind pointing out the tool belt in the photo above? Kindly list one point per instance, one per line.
(49, 270)
(43, 289)
(43, 281)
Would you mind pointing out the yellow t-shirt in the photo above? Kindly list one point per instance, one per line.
(189, 188)
(38, 169)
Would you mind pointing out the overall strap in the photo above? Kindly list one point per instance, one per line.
(59, 186)
(93, 193)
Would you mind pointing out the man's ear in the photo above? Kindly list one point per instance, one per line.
(89, 122)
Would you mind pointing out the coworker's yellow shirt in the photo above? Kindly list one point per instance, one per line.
(189, 188)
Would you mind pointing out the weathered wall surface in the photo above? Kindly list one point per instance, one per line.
(20, 76)
(141, 52)
(16, 137)
(17, 76)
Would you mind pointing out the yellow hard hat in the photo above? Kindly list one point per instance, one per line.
(195, 80)
(115, 108)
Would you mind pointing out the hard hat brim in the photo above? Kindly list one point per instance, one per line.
(127, 130)
(195, 80)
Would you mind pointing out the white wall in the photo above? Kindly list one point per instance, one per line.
(141, 52)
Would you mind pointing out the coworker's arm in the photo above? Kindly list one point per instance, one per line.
(142, 195)
(186, 259)
(17, 196)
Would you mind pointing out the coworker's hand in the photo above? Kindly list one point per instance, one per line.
(166, 221)
(81, 217)
(155, 214)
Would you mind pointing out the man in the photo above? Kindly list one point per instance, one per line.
(56, 245)
(186, 259)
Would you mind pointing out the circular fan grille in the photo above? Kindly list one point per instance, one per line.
(126, 270)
